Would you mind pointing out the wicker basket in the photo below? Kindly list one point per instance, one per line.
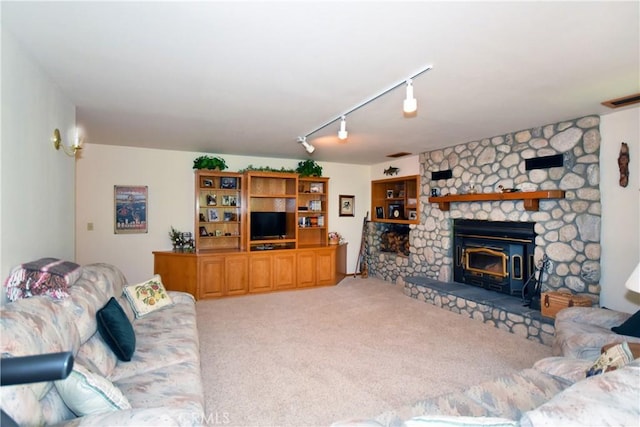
(552, 302)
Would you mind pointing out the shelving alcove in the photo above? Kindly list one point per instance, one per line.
(395, 200)
(231, 260)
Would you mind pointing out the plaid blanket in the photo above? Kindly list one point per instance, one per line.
(46, 276)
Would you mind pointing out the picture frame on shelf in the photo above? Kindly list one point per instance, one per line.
(413, 215)
(395, 211)
(228, 182)
(389, 194)
(212, 200)
(213, 215)
(229, 216)
(316, 187)
(225, 200)
(233, 201)
(379, 212)
(346, 204)
(206, 182)
(202, 217)
(218, 233)
(204, 232)
(130, 209)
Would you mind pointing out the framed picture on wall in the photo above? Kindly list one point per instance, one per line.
(130, 209)
(347, 205)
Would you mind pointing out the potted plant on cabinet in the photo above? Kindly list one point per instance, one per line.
(209, 162)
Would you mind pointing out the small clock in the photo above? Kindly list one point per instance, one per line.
(396, 213)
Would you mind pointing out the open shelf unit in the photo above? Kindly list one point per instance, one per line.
(273, 192)
(219, 219)
(395, 200)
(313, 214)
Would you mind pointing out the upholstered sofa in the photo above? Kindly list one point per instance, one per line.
(582, 331)
(159, 385)
(554, 392)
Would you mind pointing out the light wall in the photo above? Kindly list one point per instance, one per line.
(620, 239)
(407, 166)
(170, 178)
(36, 182)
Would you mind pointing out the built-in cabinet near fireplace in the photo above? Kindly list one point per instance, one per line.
(496, 255)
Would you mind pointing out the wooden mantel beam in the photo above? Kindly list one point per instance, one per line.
(531, 198)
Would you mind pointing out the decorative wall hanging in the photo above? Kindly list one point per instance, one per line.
(347, 205)
(623, 164)
(130, 207)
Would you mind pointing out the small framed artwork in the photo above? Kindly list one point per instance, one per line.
(229, 216)
(389, 194)
(379, 212)
(401, 193)
(395, 211)
(233, 201)
(225, 200)
(202, 217)
(228, 182)
(316, 187)
(218, 233)
(206, 182)
(213, 215)
(347, 205)
(413, 215)
(130, 209)
(212, 200)
(203, 232)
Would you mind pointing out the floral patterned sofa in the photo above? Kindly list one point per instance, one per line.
(159, 385)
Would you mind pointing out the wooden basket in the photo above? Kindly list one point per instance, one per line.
(552, 302)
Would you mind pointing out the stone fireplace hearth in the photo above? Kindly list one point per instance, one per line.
(567, 230)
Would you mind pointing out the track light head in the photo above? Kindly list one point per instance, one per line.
(410, 104)
(303, 140)
(342, 133)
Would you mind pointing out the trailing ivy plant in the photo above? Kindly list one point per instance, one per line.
(309, 168)
(209, 162)
(252, 168)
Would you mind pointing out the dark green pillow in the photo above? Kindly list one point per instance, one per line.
(116, 330)
(631, 327)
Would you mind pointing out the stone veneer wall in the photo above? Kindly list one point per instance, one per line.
(568, 229)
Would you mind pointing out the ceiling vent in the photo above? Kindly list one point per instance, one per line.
(400, 154)
(622, 102)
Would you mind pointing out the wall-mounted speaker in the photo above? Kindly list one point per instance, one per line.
(446, 174)
(544, 162)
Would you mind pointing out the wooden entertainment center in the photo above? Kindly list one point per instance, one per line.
(287, 246)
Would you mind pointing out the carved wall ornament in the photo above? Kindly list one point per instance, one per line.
(623, 164)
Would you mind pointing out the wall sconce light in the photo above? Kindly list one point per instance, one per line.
(310, 148)
(410, 106)
(69, 151)
(342, 133)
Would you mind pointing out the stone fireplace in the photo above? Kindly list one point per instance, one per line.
(567, 230)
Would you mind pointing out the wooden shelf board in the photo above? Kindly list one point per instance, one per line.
(531, 198)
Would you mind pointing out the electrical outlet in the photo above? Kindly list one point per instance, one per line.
(89, 226)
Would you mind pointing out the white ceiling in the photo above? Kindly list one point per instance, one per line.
(250, 77)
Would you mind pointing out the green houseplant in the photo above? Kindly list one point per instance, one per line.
(209, 162)
(309, 168)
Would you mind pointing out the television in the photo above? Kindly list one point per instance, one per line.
(268, 225)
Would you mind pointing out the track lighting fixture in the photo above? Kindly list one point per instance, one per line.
(410, 106)
(310, 148)
(342, 133)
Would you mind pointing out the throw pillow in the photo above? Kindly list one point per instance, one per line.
(148, 296)
(615, 357)
(631, 327)
(86, 392)
(116, 330)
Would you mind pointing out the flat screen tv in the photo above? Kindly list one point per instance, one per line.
(268, 225)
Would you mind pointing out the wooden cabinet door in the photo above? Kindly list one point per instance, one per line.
(178, 271)
(236, 274)
(325, 267)
(260, 273)
(211, 277)
(284, 270)
(306, 268)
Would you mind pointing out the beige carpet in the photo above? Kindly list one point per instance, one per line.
(311, 357)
